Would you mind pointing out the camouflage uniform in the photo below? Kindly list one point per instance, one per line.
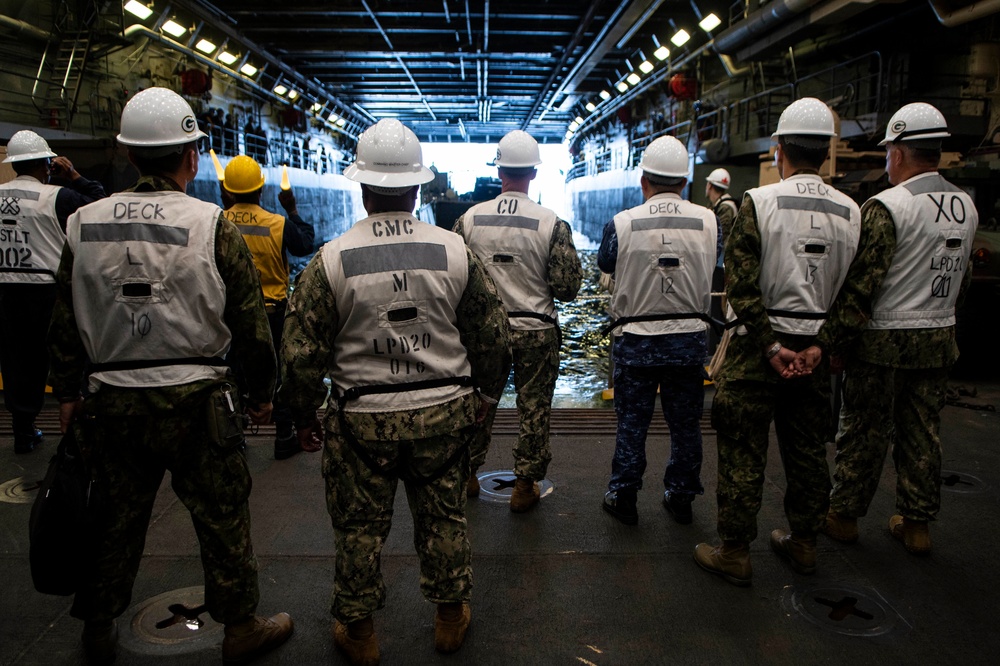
(750, 394)
(134, 435)
(536, 365)
(894, 390)
(410, 444)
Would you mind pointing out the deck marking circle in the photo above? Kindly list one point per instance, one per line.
(18, 491)
(497, 486)
(170, 624)
(843, 608)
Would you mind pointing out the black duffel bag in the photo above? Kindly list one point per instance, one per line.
(57, 529)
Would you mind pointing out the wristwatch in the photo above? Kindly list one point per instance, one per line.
(772, 351)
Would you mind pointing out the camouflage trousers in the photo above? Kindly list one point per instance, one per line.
(682, 395)
(128, 456)
(536, 368)
(741, 415)
(884, 406)
(360, 503)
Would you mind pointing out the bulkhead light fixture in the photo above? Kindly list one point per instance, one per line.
(333, 118)
(578, 120)
(136, 8)
(590, 107)
(317, 107)
(227, 58)
(622, 86)
(633, 78)
(645, 67)
(205, 46)
(248, 69)
(680, 37)
(341, 122)
(710, 22)
(280, 89)
(293, 94)
(661, 53)
(605, 95)
(173, 28)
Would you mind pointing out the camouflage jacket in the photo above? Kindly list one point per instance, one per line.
(906, 348)
(847, 317)
(244, 315)
(308, 353)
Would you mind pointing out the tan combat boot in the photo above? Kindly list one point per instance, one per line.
(357, 641)
(472, 490)
(251, 638)
(914, 534)
(838, 528)
(731, 560)
(450, 624)
(800, 551)
(526, 495)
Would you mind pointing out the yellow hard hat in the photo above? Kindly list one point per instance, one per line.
(243, 175)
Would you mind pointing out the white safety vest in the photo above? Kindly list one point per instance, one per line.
(146, 287)
(809, 235)
(397, 282)
(666, 256)
(31, 240)
(512, 235)
(935, 223)
(726, 201)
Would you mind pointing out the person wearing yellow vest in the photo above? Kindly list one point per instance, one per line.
(271, 238)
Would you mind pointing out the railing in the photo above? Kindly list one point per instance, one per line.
(851, 93)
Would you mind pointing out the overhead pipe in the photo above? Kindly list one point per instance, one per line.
(138, 30)
(950, 18)
(24, 27)
(760, 22)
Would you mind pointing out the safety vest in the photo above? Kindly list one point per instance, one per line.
(513, 235)
(31, 240)
(146, 289)
(666, 255)
(809, 235)
(397, 282)
(264, 235)
(935, 223)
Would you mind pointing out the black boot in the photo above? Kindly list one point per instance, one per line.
(621, 504)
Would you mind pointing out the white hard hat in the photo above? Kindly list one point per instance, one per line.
(807, 116)
(517, 150)
(719, 178)
(667, 157)
(389, 156)
(26, 145)
(914, 122)
(158, 117)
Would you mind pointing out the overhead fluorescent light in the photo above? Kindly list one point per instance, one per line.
(173, 28)
(605, 94)
(573, 125)
(661, 53)
(205, 46)
(341, 122)
(579, 120)
(622, 86)
(292, 94)
(633, 78)
(227, 58)
(333, 118)
(280, 89)
(590, 107)
(138, 9)
(710, 22)
(317, 107)
(645, 67)
(680, 38)
(248, 69)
